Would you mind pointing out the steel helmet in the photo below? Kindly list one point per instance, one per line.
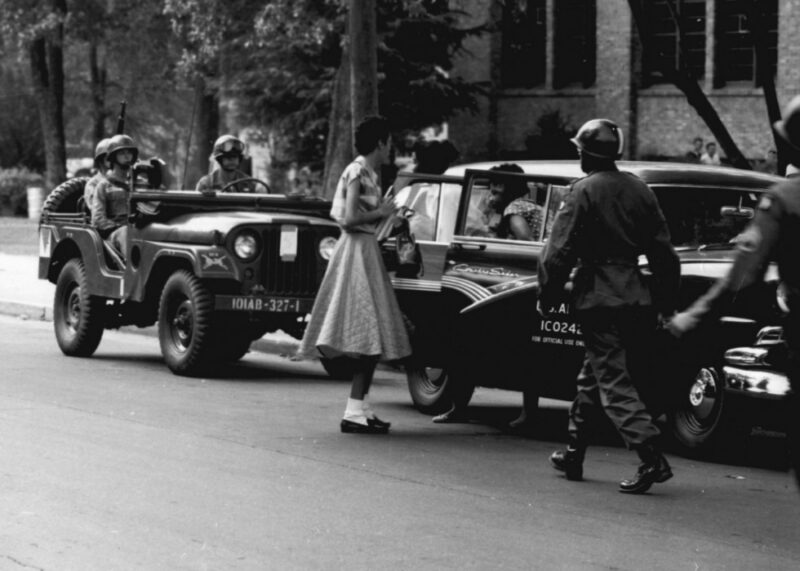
(789, 127)
(120, 142)
(100, 152)
(228, 146)
(601, 138)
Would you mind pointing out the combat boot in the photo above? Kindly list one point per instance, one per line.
(569, 461)
(654, 469)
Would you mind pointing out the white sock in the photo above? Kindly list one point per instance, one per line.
(355, 411)
(367, 409)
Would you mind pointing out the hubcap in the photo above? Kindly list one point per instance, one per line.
(73, 309)
(183, 325)
(704, 393)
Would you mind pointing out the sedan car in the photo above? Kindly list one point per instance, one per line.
(473, 302)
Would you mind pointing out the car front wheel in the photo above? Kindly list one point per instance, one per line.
(77, 316)
(436, 390)
(706, 420)
(185, 317)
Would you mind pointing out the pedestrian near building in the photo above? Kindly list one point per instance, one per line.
(356, 313)
(693, 156)
(772, 236)
(608, 219)
(109, 207)
(711, 156)
(228, 152)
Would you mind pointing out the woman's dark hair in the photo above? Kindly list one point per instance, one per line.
(513, 187)
(370, 132)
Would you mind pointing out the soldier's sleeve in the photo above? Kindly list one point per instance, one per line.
(664, 263)
(99, 214)
(755, 249)
(560, 255)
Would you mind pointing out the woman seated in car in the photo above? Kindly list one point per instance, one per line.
(520, 218)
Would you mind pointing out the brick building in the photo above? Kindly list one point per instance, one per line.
(582, 58)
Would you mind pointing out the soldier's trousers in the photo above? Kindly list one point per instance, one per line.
(618, 349)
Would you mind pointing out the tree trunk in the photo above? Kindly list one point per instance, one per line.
(363, 60)
(339, 147)
(47, 72)
(758, 30)
(205, 131)
(694, 94)
(97, 75)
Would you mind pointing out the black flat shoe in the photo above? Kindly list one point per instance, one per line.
(378, 423)
(570, 462)
(350, 427)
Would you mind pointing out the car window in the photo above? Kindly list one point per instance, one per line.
(696, 218)
(556, 197)
(434, 207)
(485, 218)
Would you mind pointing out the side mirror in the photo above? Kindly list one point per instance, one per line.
(740, 212)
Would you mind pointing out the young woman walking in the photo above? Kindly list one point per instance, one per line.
(356, 313)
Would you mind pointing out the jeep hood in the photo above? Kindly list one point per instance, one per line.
(202, 228)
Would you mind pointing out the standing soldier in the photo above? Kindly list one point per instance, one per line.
(606, 222)
(773, 235)
(110, 206)
(228, 152)
(101, 166)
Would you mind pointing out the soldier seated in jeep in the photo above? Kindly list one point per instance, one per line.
(109, 206)
(228, 151)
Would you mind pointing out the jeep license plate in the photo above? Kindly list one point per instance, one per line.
(558, 328)
(263, 304)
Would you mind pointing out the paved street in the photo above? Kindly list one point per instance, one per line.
(114, 463)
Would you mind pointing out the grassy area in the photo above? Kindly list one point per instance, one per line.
(19, 236)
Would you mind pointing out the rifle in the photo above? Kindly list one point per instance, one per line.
(121, 117)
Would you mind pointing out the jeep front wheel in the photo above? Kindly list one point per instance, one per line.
(77, 316)
(435, 390)
(185, 324)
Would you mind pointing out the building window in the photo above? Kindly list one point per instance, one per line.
(524, 44)
(678, 29)
(574, 46)
(735, 59)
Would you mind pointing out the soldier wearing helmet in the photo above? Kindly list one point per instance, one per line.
(228, 152)
(109, 206)
(773, 235)
(608, 219)
(100, 165)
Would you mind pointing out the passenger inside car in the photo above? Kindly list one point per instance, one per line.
(508, 209)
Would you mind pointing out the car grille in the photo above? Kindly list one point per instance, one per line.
(300, 277)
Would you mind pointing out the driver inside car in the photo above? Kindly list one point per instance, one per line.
(228, 151)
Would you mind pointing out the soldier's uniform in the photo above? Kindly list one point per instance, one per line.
(608, 219)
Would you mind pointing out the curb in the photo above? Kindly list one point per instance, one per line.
(26, 310)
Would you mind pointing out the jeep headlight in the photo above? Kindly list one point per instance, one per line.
(246, 245)
(326, 246)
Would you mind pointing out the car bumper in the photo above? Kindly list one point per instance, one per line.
(756, 382)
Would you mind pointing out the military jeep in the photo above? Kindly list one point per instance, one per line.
(215, 272)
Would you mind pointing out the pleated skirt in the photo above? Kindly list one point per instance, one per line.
(356, 312)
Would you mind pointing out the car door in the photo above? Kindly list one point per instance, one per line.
(430, 205)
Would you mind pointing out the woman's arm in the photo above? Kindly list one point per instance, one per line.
(353, 216)
(519, 227)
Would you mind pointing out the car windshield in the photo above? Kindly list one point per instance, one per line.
(695, 215)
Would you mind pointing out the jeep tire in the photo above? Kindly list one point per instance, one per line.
(185, 324)
(77, 316)
(65, 197)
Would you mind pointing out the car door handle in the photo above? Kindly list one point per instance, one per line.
(470, 246)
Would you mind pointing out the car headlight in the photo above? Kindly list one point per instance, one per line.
(326, 246)
(246, 245)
